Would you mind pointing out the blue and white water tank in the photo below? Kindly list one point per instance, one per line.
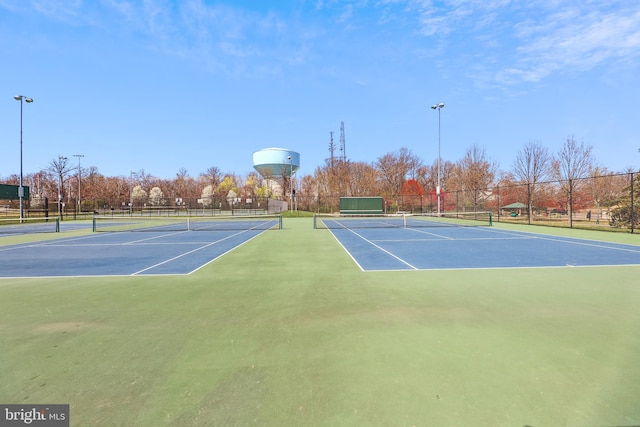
(276, 162)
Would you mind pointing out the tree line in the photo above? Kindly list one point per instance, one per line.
(397, 176)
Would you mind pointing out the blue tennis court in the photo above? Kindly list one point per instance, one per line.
(446, 247)
(121, 253)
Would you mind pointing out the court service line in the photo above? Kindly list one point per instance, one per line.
(593, 243)
(226, 252)
(431, 234)
(625, 247)
(189, 252)
(382, 249)
(456, 239)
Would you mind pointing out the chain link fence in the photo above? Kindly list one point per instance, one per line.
(607, 202)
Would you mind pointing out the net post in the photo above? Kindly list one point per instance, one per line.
(279, 222)
(57, 225)
(404, 219)
(315, 227)
(490, 218)
(93, 224)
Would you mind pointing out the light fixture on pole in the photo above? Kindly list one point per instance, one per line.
(438, 107)
(290, 183)
(79, 175)
(20, 187)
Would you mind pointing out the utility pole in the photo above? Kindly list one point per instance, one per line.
(79, 175)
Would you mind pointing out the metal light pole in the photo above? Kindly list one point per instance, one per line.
(131, 174)
(438, 107)
(79, 156)
(290, 183)
(60, 160)
(20, 187)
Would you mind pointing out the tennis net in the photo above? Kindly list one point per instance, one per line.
(29, 225)
(190, 223)
(448, 219)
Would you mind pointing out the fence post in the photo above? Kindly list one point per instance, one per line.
(499, 203)
(529, 207)
(570, 203)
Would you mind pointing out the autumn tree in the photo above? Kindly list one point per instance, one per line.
(627, 212)
(228, 189)
(474, 174)
(394, 168)
(412, 193)
(308, 193)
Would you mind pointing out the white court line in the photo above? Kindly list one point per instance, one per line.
(193, 250)
(580, 241)
(430, 234)
(454, 239)
(52, 244)
(373, 244)
(511, 268)
(223, 254)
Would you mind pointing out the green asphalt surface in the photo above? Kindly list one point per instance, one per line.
(287, 331)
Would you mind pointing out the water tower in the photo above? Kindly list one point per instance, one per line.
(276, 162)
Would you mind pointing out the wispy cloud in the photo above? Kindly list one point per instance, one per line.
(569, 41)
(535, 39)
(511, 42)
(67, 11)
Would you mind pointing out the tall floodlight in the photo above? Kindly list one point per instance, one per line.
(131, 175)
(79, 175)
(20, 187)
(290, 183)
(438, 107)
(61, 162)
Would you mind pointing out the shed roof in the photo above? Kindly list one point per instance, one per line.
(516, 205)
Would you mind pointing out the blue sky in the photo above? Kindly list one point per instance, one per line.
(162, 85)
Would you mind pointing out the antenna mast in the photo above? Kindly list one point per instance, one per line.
(332, 146)
(343, 148)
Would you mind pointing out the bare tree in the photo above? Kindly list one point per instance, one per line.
(211, 176)
(573, 161)
(60, 167)
(411, 162)
(532, 166)
(364, 179)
